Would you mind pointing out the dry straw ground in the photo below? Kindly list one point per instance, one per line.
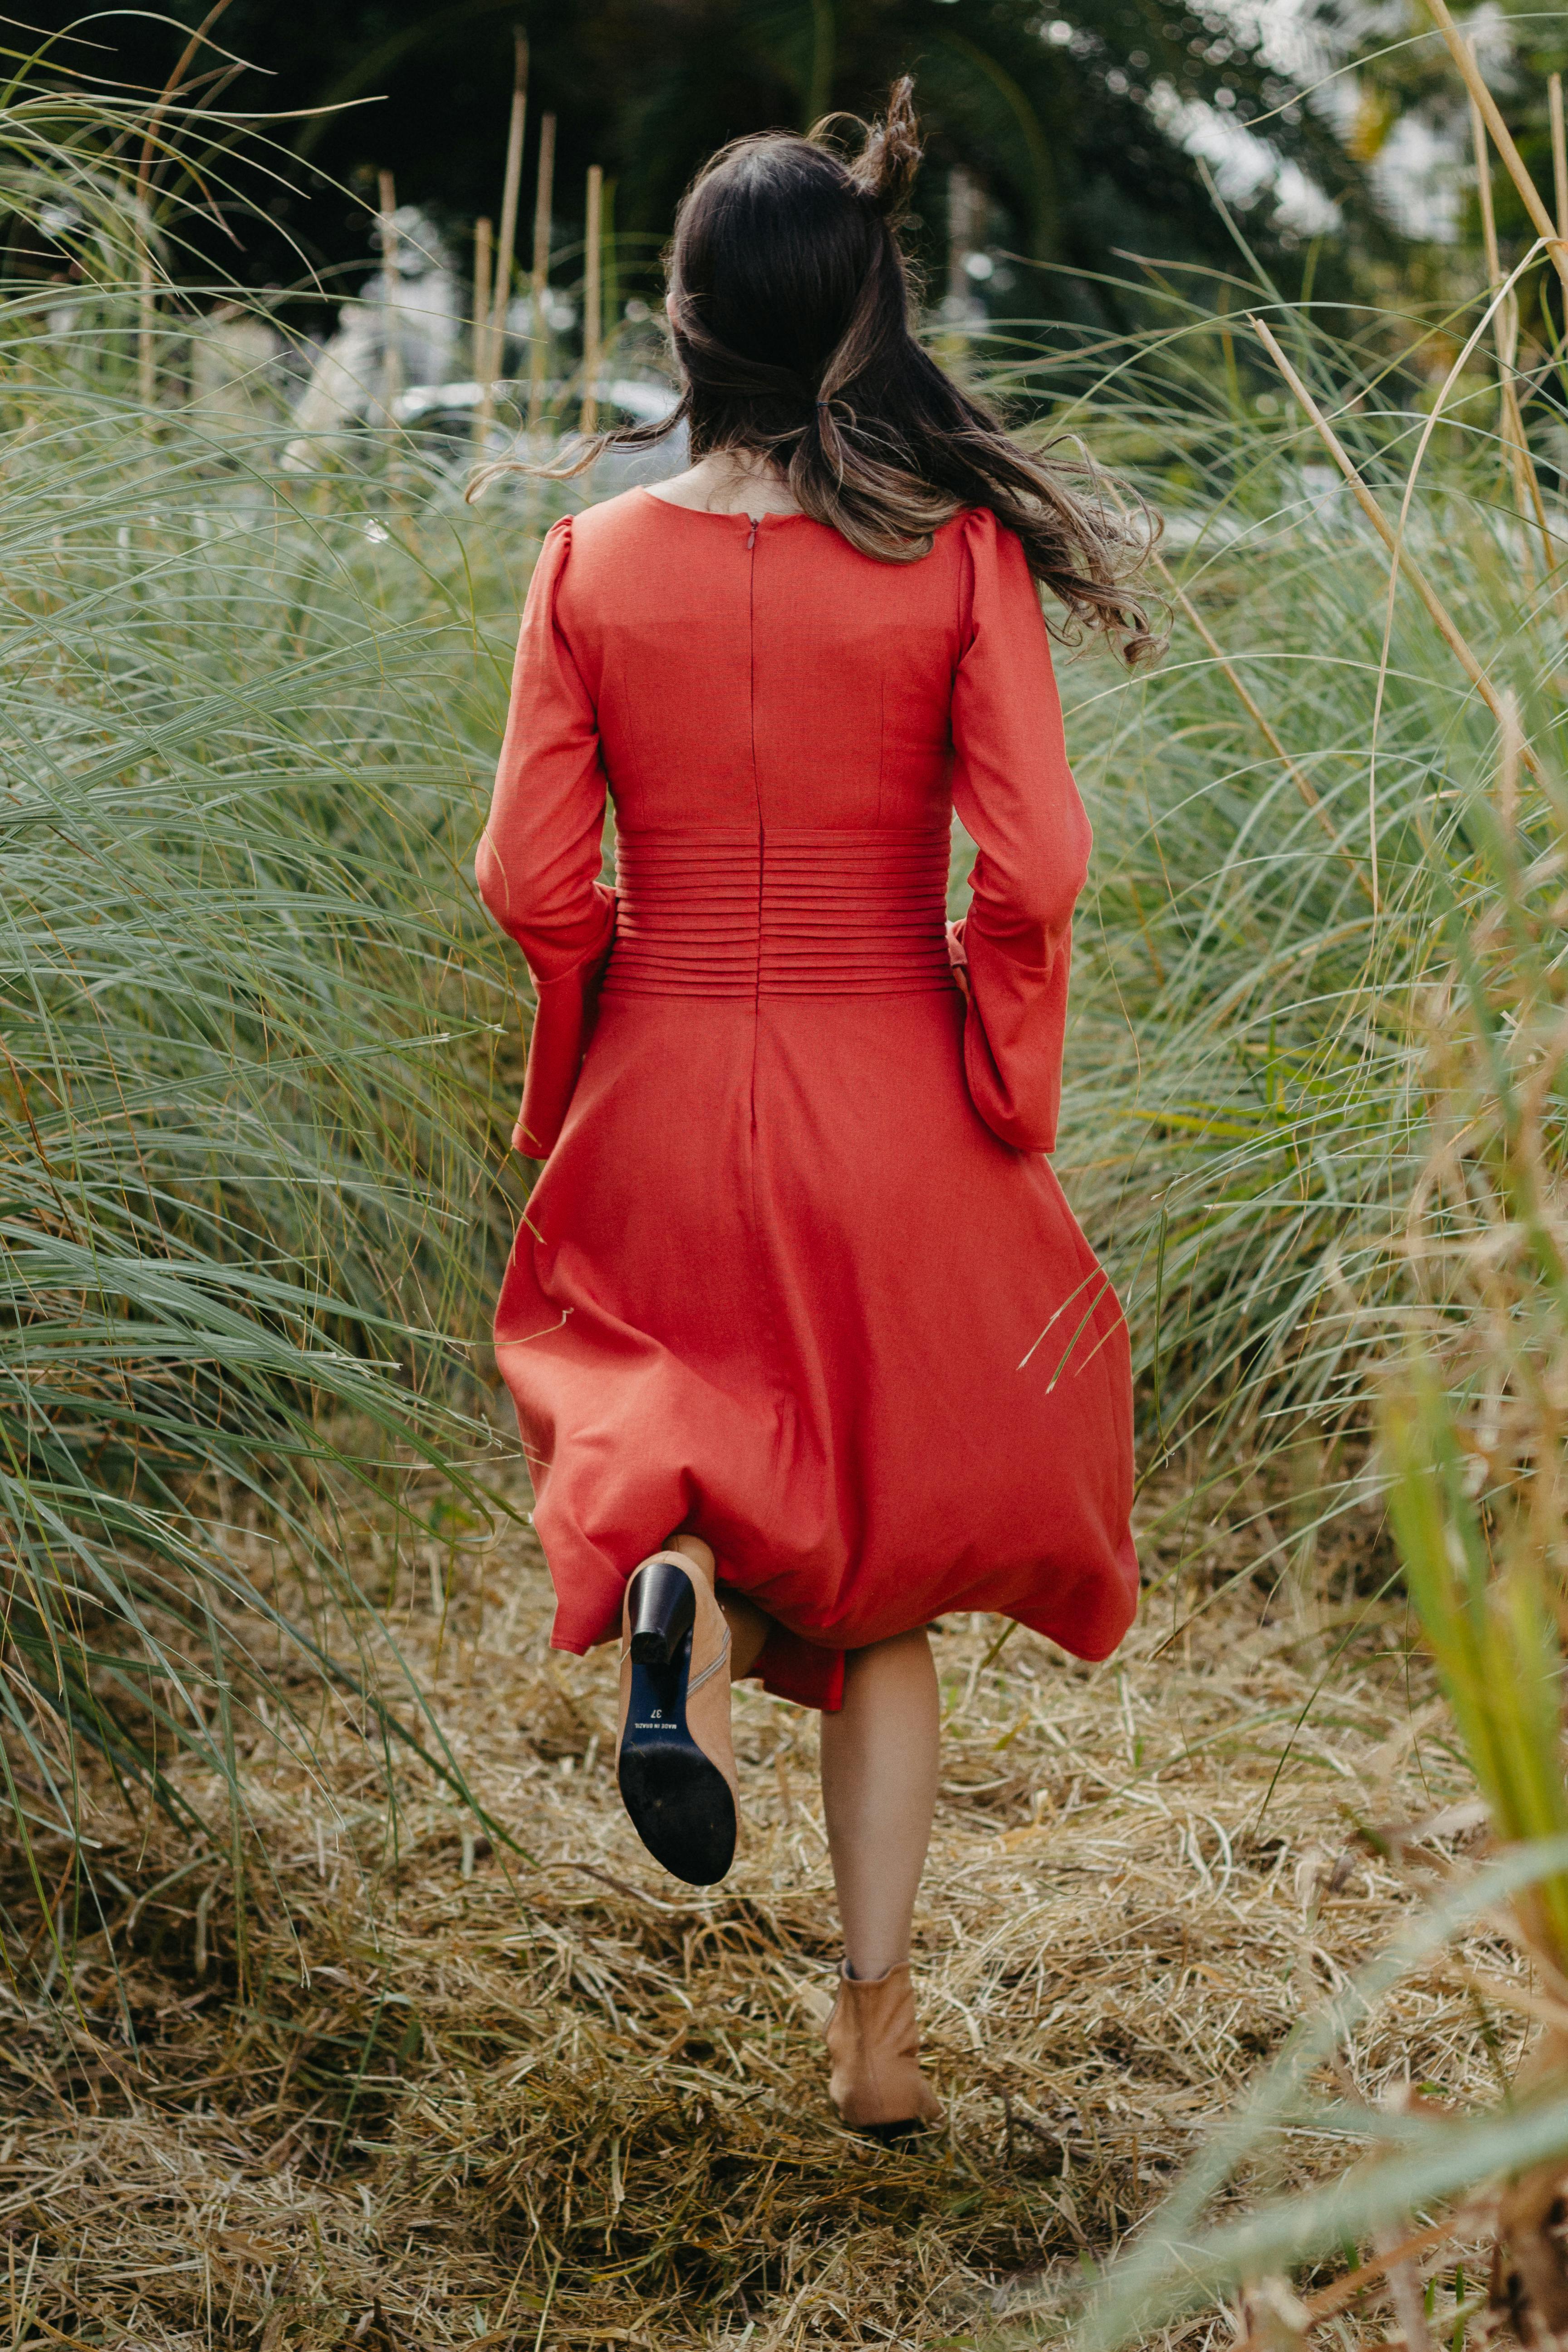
(464, 2099)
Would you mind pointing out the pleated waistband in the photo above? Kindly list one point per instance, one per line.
(803, 911)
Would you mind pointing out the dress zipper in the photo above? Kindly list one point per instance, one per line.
(755, 521)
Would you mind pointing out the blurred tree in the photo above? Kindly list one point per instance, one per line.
(1063, 121)
(1410, 106)
(1061, 118)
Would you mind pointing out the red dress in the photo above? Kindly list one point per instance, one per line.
(797, 1274)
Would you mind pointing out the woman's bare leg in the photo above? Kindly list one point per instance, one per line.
(748, 1626)
(879, 1793)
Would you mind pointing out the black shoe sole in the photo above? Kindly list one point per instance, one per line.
(680, 1803)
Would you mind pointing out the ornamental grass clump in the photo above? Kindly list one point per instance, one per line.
(1282, 817)
(1470, 1427)
(1474, 1424)
(249, 1021)
(1405, 1206)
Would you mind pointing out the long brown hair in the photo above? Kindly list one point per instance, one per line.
(790, 311)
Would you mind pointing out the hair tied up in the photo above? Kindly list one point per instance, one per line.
(884, 171)
(793, 331)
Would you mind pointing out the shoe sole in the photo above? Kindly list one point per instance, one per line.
(678, 1801)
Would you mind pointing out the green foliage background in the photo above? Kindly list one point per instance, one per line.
(1047, 113)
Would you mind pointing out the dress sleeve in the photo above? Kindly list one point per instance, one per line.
(1016, 797)
(538, 860)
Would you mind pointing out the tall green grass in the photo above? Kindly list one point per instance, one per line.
(1244, 1120)
(1471, 1409)
(251, 1136)
(254, 1116)
(1318, 1110)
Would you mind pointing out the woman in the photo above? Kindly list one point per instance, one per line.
(805, 1346)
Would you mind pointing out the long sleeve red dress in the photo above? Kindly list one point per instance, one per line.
(797, 1274)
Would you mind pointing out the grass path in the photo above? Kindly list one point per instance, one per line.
(465, 2100)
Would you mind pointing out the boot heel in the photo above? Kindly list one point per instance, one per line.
(674, 1759)
(662, 1607)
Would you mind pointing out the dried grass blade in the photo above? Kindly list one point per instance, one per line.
(492, 332)
(1502, 138)
(540, 281)
(1505, 332)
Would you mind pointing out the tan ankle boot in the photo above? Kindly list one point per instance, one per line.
(874, 2042)
(674, 1759)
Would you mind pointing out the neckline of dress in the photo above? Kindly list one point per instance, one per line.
(722, 514)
